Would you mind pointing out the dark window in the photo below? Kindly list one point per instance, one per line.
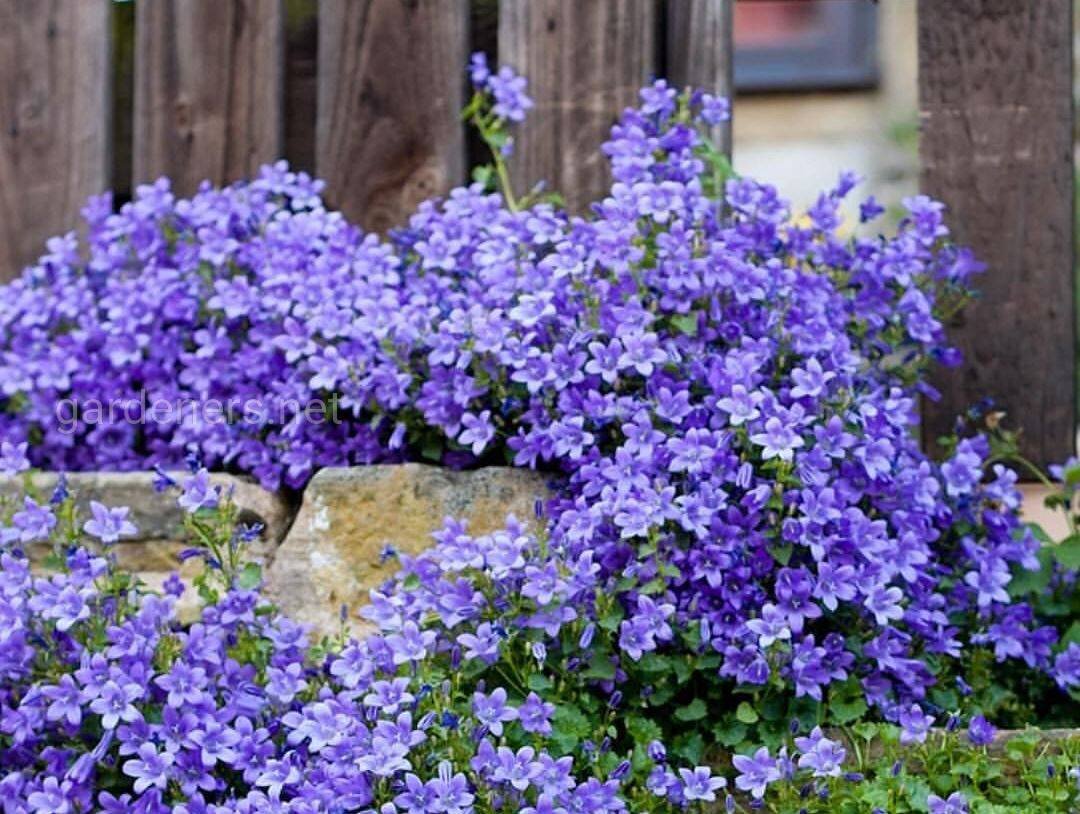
(805, 44)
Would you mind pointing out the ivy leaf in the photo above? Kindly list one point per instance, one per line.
(844, 711)
(746, 714)
(690, 748)
(694, 711)
(730, 734)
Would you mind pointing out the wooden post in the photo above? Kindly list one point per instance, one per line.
(995, 80)
(391, 85)
(700, 50)
(54, 120)
(208, 89)
(585, 61)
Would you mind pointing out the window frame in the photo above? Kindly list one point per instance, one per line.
(842, 55)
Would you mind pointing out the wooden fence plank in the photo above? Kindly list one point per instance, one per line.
(208, 89)
(700, 50)
(585, 61)
(996, 145)
(54, 120)
(391, 85)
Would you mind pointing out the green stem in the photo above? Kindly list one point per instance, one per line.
(504, 181)
(1049, 484)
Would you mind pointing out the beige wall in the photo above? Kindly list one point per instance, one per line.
(801, 142)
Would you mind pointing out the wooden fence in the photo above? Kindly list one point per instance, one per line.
(365, 93)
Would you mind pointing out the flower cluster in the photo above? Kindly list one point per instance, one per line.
(108, 704)
(485, 689)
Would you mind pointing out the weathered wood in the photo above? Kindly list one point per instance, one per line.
(585, 61)
(700, 51)
(54, 120)
(391, 84)
(208, 89)
(996, 146)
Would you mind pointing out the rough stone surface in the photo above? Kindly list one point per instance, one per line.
(332, 554)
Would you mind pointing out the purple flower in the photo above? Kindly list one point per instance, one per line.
(198, 493)
(32, 522)
(150, 768)
(821, 755)
(114, 703)
(884, 603)
(535, 714)
(13, 458)
(411, 644)
(914, 725)
(778, 440)
(109, 525)
(508, 88)
(956, 803)
(980, 731)
(492, 711)
(65, 701)
(478, 431)
(771, 627)
(756, 772)
(700, 784)
(52, 797)
(1067, 667)
(517, 769)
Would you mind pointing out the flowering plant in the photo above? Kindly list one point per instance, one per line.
(748, 532)
(472, 697)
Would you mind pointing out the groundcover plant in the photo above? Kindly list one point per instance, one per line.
(749, 543)
(481, 692)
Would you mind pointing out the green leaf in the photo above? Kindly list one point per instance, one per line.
(250, 577)
(1072, 635)
(686, 323)
(432, 448)
(643, 730)
(537, 682)
(690, 748)
(694, 711)
(611, 619)
(601, 669)
(682, 670)
(844, 711)
(746, 714)
(730, 734)
(569, 727)
(781, 553)
(654, 663)
(1025, 582)
(1067, 552)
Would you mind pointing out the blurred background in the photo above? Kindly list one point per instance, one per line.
(824, 86)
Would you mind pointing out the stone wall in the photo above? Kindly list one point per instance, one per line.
(335, 546)
(325, 553)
